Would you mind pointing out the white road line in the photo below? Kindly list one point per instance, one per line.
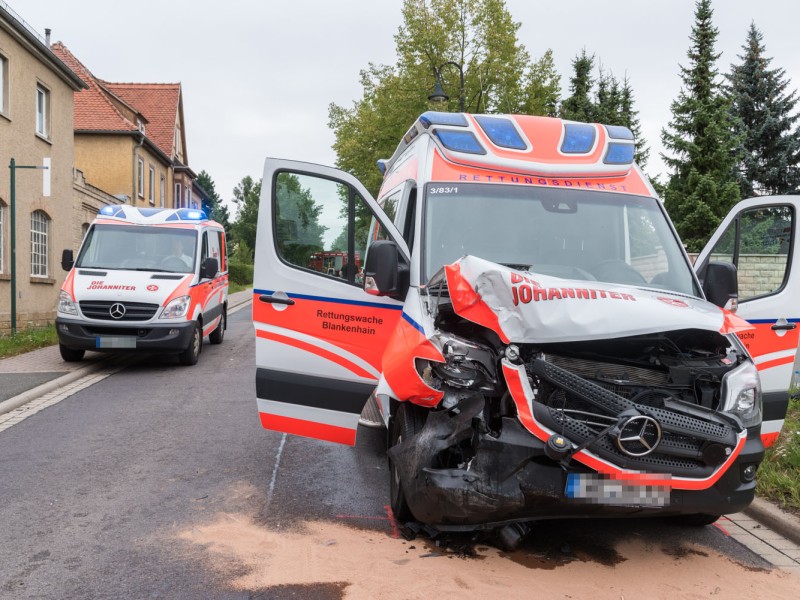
(275, 471)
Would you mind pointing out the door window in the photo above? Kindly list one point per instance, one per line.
(321, 225)
(758, 242)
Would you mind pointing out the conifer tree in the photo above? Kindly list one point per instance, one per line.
(578, 106)
(630, 118)
(770, 144)
(702, 186)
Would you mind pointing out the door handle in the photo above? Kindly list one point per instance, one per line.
(276, 300)
(784, 326)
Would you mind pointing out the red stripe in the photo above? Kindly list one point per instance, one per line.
(343, 362)
(309, 429)
(768, 439)
(775, 363)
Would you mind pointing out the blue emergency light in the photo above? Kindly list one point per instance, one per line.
(618, 132)
(502, 132)
(619, 154)
(459, 141)
(110, 210)
(578, 138)
(442, 118)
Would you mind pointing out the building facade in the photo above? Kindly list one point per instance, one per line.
(36, 127)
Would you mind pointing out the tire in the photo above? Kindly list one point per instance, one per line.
(408, 420)
(697, 520)
(192, 352)
(70, 355)
(216, 336)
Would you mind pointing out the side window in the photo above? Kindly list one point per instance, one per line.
(204, 248)
(223, 259)
(389, 206)
(213, 247)
(321, 225)
(411, 217)
(758, 243)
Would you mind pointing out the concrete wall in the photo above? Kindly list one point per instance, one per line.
(758, 274)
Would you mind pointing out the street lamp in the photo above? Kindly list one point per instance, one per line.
(438, 94)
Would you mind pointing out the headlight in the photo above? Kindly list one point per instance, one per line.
(467, 365)
(66, 305)
(741, 391)
(177, 308)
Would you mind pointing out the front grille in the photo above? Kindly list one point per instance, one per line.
(134, 311)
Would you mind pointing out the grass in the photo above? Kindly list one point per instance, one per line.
(238, 287)
(27, 339)
(779, 474)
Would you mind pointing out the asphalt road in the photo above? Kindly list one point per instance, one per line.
(109, 493)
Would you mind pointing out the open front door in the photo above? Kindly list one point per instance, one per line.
(319, 336)
(759, 237)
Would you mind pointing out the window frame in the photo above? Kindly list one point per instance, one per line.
(151, 188)
(40, 238)
(140, 177)
(42, 115)
(2, 237)
(162, 190)
(178, 191)
(4, 84)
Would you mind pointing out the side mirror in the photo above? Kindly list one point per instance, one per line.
(720, 284)
(209, 269)
(67, 260)
(385, 274)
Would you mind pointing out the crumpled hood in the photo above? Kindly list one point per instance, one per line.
(526, 307)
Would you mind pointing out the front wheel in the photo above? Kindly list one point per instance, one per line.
(408, 421)
(69, 354)
(192, 352)
(216, 336)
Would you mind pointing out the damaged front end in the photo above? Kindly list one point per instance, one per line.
(548, 425)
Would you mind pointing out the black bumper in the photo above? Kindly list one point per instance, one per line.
(511, 479)
(144, 337)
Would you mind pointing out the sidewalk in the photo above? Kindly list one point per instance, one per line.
(27, 376)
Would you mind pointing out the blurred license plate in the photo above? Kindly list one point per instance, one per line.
(591, 488)
(115, 341)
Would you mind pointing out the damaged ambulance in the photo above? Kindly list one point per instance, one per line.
(527, 324)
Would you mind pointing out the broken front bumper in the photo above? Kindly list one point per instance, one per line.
(510, 478)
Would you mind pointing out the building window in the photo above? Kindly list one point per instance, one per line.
(140, 178)
(178, 192)
(152, 186)
(161, 190)
(2, 237)
(3, 83)
(40, 224)
(42, 110)
(189, 198)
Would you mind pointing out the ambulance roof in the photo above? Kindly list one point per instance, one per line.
(523, 144)
(153, 216)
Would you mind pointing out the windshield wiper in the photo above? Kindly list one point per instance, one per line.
(516, 266)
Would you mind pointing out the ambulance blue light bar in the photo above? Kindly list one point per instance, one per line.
(187, 214)
(459, 141)
(502, 132)
(619, 154)
(111, 210)
(442, 118)
(618, 132)
(578, 138)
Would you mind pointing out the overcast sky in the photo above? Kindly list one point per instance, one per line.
(258, 76)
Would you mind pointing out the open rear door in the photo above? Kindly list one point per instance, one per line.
(759, 237)
(319, 336)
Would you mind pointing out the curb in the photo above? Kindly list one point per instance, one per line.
(777, 519)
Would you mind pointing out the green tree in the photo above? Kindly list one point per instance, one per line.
(579, 106)
(770, 144)
(298, 232)
(542, 88)
(629, 117)
(702, 186)
(246, 196)
(478, 35)
(213, 207)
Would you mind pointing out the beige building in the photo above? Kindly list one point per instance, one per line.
(36, 125)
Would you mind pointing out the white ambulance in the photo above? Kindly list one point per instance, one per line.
(529, 328)
(145, 279)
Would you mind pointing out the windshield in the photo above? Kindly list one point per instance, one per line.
(568, 233)
(139, 248)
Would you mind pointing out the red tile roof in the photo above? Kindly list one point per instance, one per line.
(157, 103)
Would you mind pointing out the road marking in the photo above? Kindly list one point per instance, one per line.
(275, 471)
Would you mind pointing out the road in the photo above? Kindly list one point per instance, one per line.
(158, 482)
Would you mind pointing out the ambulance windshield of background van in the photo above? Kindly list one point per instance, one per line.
(568, 233)
(139, 248)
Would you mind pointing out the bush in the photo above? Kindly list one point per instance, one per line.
(241, 273)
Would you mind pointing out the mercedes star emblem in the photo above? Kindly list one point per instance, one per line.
(117, 310)
(639, 436)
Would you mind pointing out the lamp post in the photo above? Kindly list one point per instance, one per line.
(438, 94)
(13, 166)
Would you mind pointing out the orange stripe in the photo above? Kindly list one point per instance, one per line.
(342, 362)
(768, 439)
(775, 363)
(319, 431)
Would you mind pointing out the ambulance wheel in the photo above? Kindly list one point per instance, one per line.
(189, 356)
(216, 336)
(70, 355)
(408, 421)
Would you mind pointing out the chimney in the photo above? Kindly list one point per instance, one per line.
(47, 37)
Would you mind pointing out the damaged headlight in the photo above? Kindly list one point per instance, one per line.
(741, 393)
(467, 365)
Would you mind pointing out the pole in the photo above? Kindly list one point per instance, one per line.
(13, 182)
